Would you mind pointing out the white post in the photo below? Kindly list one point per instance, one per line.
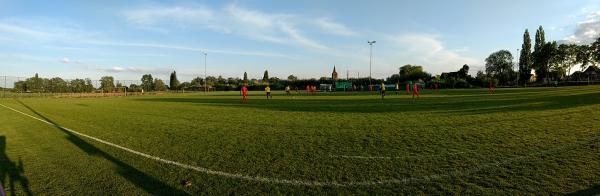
(4, 88)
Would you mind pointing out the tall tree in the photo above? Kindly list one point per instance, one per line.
(464, 72)
(266, 77)
(77, 85)
(57, 85)
(540, 60)
(147, 82)
(197, 82)
(159, 85)
(245, 78)
(107, 83)
(525, 60)
(547, 58)
(540, 38)
(413, 73)
(564, 59)
(584, 56)
(35, 84)
(499, 65)
(595, 50)
(89, 87)
(173, 82)
(292, 78)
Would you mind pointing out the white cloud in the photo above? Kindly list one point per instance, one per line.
(300, 39)
(41, 31)
(65, 60)
(331, 27)
(150, 16)
(253, 18)
(187, 48)
(20, 30)
(253, 24)
(31, 32)
(138, 70)
(429, 51)
(275, 28)
(586, 31)
(27, 57)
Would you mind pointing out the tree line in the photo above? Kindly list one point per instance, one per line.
(548, 61)
(56, 85)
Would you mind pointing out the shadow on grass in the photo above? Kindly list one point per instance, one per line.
(11, 173)
(454, 105)
(594, 190)
(133, 175)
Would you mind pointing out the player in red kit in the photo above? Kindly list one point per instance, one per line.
(491, 88)
(415, 91)
(307, 90)
(244, 94)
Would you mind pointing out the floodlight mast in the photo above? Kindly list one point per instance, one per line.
(518, 67)
(370, 57)
(205, 81)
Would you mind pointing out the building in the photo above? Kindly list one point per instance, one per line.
(334, 75)
(592, 72)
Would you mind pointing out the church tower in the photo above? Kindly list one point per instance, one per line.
(334, 75)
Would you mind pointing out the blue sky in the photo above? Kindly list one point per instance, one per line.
(125, 39)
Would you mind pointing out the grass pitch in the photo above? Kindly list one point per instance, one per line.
(517, 141)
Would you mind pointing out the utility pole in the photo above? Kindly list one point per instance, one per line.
(370, 58)
(205, 82)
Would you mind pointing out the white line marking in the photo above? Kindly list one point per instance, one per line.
(186, 166)
(396, 157)
(309, 183)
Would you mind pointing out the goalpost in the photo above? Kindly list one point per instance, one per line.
(118, 91)
(122, 89)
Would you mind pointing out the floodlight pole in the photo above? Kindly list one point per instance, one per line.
(370, 59)
(205, 82)
(518, 67)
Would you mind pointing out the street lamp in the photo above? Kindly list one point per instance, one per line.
(205, 82)
(370, 57)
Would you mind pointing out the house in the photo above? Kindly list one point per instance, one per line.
(592, 72)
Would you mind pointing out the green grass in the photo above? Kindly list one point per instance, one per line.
(517, 141)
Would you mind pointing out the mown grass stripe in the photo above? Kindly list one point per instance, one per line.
(317, 183)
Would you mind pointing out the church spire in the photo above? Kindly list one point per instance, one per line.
(334, 75)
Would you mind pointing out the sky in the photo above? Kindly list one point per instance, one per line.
(126, 39)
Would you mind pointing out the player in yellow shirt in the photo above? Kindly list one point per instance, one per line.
(382, 90)
(268, 91)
